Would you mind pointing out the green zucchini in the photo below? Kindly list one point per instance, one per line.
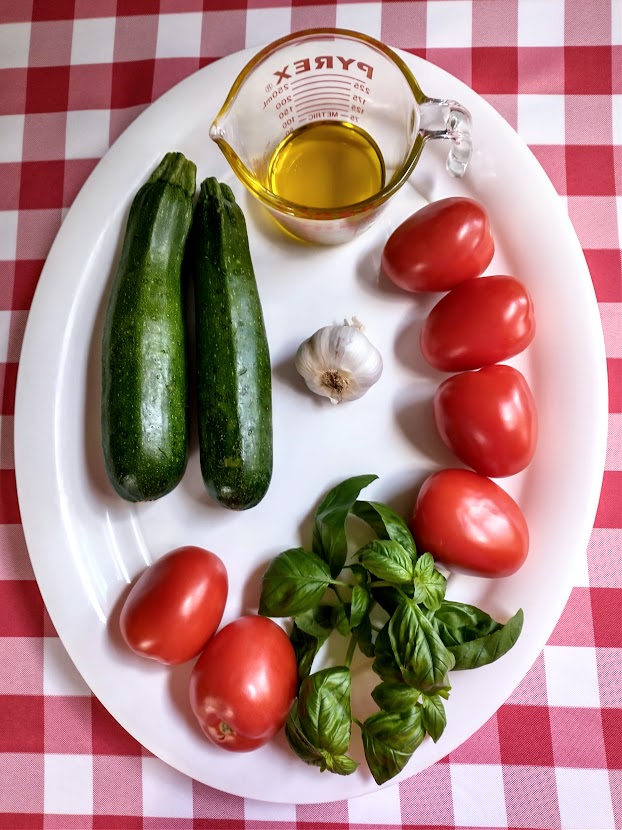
(144, 403)
(234, 387)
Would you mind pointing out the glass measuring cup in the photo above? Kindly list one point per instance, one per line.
(343, 111)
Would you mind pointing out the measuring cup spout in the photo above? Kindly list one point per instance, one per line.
(222, 133)
(217, 131)
(441, 118)
(231, 142)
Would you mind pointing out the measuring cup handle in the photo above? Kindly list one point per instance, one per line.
(448, 119)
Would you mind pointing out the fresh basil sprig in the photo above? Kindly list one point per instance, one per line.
(331, 589)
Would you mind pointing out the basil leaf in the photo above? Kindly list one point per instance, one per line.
(294, 582)
(359, 605)
(341, 764)
(316, 622)
(429, 584)
(433, 716)
(361, 576)
(419, 651)
(324, 709)
(458, 623)
(364, 641)
(329, 531)
(357, 614)
(309, 632)
(340, 620)
(389, 740)
(386, 524)
(304, 749)
(385, 665)
(389, 598)
(490, 647)
(298, 741)
(305, 649)
(387, 560)
(395, 697)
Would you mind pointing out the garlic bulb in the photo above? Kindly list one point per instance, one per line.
(339, 362)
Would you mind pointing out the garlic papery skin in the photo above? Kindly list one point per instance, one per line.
(339, 362)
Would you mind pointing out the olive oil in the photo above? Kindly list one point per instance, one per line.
(328, 164)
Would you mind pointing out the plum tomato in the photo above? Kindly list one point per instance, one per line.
(470, 524)
(488, 418)
(439, 246)
(243, 685)
(478, 323)
(175, 606)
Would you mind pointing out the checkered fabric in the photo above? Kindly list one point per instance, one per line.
(73, 75)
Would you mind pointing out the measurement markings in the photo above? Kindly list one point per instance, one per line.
(322, 79)
(328, 95)
(311, 85)
(322, 101)
(311, 120)
(319, 96)
(323, 114)
(316, 90)
(324, 105)
(326, 90)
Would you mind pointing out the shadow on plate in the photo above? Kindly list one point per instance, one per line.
(415, 418)
(178, 683)
(370, 277)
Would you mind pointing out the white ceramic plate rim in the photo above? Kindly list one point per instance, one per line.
(43, 433)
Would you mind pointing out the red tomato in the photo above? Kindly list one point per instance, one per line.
(488, 418)
(470, 524)
(478, 323)
(439, 246)
(244, 684)
(175, 606)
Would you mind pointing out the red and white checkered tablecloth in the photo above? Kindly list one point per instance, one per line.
(73, 75)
